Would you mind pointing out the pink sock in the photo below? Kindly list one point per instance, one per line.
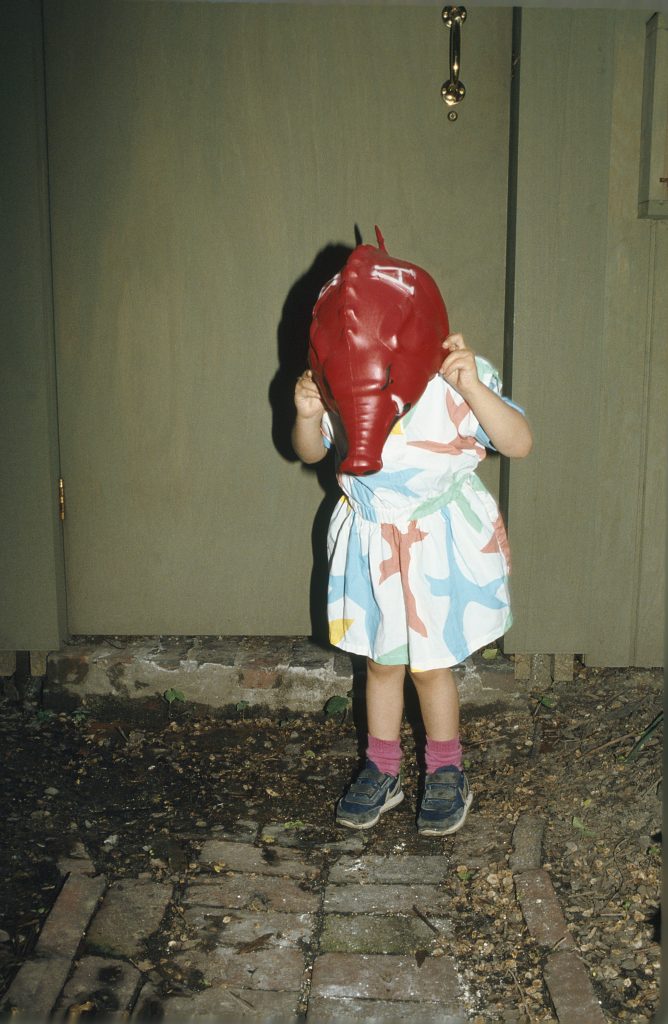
(439, 753)
(385, 754)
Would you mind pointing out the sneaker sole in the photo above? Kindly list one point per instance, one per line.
(392, 802)
(432, 831)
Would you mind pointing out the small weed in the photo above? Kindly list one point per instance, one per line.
(339, 705)
(43, 716)
(581, 827)
(171, 695)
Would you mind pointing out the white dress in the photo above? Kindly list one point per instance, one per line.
(418, 554)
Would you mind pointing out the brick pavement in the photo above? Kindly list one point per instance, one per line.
(281, 934)
(272, 931)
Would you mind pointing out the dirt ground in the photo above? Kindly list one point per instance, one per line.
(139, 799)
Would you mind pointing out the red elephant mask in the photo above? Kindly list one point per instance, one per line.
(376, 340)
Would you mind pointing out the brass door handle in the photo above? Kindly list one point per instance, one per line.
(453, 91)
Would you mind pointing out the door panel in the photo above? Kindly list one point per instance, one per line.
(201, 157)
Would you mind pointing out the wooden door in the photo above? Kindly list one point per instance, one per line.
(208, 164)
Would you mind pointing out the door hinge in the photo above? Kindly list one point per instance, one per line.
(61, 499)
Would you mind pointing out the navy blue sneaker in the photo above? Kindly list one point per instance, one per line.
(445, 803)
(372, 793)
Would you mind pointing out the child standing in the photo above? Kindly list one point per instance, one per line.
(419, 566)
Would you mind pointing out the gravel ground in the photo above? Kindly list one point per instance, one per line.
(139, 800)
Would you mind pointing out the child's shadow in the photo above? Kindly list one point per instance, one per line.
(292, 337)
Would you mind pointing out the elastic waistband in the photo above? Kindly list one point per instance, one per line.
(409, 513)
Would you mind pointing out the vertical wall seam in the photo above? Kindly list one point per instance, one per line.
(643, 444)
(596, 629)
(50, 285)
(511, 237)
(511, 240)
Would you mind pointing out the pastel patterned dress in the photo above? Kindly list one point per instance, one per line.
(418, 554)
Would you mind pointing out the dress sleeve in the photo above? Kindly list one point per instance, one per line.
(326, 431)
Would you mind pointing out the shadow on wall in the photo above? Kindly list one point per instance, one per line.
(292, 338)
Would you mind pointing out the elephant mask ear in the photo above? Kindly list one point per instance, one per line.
(376, 339)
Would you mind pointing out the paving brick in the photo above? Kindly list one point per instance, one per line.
(385, 899)
(309, 655)
(485, 681)
(571, 990)
(563, 668)
(110, 985)
(375, 1011)
(527, 843)
(361, 933)
(351, 844)
(259, 892)
(310, 836)
(522, 667)
(206, 651)
(376, 868)
(274, 970)
(70, 915)
(264, 652)
(149, 1005)
(243, 926)
(218, 1004)
(132, 910)
(387, 977)
(7, 663)
(36, 988)
(541, 909)
(343, 665)
(264, 861)
(258, 677)
(242, 831)
(481, 843)
(76, 866)
(541, 670)
(38, 661)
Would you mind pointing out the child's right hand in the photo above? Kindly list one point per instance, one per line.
(307, 397)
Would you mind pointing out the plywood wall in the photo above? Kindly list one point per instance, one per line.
(587, 510)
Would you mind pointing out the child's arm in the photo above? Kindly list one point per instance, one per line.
(506, 428)
(306, 435)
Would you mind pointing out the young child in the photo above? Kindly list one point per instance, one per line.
(419, 566)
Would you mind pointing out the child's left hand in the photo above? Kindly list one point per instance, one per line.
(459, 367)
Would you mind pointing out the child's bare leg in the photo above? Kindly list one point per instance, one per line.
(384, 699)
(447, 797)
(439, 702)
(378, 786)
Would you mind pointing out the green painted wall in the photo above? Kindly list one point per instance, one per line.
(202, 156)
(32, 613)
(587, 511)
(181, 262)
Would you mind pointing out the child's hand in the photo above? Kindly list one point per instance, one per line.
(307, 397)
(458, 367)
